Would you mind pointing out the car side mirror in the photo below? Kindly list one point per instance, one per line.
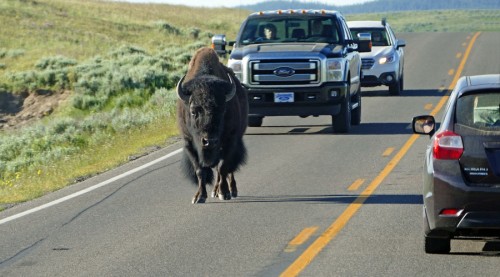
(424, 125)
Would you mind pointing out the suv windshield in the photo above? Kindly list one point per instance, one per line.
(480, 111)
(284, 29)
(379, 35)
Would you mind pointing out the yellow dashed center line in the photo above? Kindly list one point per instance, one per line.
(428, 107)
(300, 238)
(356, 184)
(388, 152)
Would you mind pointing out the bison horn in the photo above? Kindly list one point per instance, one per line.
(231, 94)
(180, 92)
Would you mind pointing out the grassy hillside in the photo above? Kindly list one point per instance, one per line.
(119, 63)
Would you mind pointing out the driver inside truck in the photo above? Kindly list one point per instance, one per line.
(270, 31)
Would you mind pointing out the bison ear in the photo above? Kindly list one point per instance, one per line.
(232, 92)
(180, 92)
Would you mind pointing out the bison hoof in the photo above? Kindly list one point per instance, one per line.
(200, 200)
(214, 194)
(225, 196)
(234, 194)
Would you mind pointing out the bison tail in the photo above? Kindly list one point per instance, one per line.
(190, 172)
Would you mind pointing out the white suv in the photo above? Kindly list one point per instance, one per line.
(384, 64)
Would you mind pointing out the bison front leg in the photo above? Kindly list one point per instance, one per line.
(201, 195)
(216, 190)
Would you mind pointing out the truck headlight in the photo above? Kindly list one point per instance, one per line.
(334, 70)
(387, 59)
(236, 66)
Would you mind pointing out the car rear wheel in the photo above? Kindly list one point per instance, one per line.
(437, 245)
(255, 121)
(341, 122)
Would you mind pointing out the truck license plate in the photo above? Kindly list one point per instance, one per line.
(283, 97)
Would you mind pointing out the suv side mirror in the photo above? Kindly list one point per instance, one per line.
(364, 42)
(400, 43)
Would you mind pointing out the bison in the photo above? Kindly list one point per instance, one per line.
(212, 112)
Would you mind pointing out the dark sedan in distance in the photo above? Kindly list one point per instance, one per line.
(461, 184)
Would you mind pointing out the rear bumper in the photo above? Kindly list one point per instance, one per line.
(481, 209)
(308, 101)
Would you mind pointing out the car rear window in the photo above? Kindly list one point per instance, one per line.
(479, 110)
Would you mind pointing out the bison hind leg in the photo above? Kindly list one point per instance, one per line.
(232, 185)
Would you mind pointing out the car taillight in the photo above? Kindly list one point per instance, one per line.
(451, 212)
(448, 146)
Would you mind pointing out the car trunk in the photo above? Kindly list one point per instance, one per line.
(480, 161)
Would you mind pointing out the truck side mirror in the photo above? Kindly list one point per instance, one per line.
(364, 42)
(219, 44)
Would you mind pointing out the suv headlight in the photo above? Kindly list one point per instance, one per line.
(334, 70)
(387, 59)
(236, 66)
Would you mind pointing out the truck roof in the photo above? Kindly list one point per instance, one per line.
(298, 12)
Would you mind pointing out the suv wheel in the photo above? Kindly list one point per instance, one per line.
(341, 123)
(437, 245)
(255, 121)
(396, 88)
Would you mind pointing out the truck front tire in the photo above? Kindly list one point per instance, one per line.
(341, 122)
(255, 121)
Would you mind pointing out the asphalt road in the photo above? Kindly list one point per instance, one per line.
(311, 203)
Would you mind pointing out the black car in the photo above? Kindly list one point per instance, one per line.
(461, 184)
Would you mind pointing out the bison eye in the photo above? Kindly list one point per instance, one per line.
(195, 112)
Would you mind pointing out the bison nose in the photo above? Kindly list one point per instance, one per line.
(209, 142)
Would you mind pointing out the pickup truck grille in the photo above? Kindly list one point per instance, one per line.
(284, 72)
(367, 63)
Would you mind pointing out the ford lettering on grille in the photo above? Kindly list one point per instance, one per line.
(284, 72)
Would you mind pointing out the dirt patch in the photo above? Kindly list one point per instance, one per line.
(17, 110)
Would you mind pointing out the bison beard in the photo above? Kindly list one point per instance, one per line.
(212, 115)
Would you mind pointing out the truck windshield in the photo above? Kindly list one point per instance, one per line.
(289, 29)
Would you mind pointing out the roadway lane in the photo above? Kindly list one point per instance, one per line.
(299, 179)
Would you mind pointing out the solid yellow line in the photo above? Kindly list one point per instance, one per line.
(310, 253)
(388, 152)
(356, 184)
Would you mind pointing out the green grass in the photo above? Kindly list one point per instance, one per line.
(438, 21)
(120, 63)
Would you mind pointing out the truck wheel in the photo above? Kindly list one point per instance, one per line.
(341, 122)
(255, 121)
(356, 113)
